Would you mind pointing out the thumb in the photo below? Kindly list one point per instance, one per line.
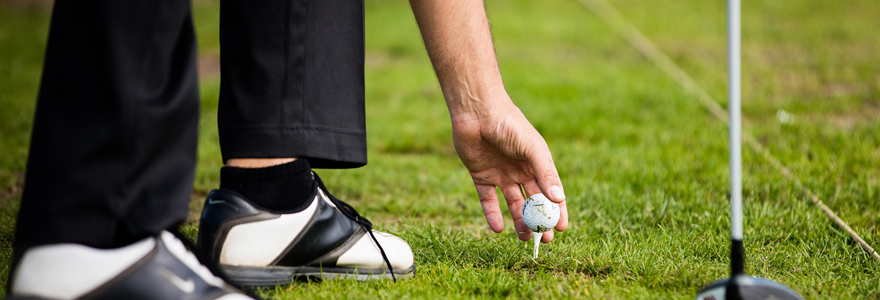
(545, 174)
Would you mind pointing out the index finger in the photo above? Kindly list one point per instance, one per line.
(546, 175)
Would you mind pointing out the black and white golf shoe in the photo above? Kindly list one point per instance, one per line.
(326, 239)
(153, 268)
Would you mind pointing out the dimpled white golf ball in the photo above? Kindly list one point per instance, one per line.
(539, 213)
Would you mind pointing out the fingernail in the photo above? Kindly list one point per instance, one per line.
(557, 193)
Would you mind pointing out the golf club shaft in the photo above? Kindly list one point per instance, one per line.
(736, 222)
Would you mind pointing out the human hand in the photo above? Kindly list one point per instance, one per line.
(501, 148)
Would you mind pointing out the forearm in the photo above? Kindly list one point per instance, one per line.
(459, 43)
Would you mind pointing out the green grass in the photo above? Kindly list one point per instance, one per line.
(644, 165)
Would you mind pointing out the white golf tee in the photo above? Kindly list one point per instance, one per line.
(537, 237)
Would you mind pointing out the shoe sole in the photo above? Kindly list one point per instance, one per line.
(257, 277)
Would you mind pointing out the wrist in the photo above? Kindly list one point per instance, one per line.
(474, 99)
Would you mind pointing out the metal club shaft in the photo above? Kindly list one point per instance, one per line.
(735, 127)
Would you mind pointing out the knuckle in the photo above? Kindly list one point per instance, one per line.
(549, 174)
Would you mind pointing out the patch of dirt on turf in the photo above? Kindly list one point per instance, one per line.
(377, 59)
(209, 65)
(866, 115)
(809, 73)
(14, 191)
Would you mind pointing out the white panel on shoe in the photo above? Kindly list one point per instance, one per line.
(234, 297)
(259, 243)
(177, 249)
(365, 254)
(67, 271)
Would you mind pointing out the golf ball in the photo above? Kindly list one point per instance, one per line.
(539, 213)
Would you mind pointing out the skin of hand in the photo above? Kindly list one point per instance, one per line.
(494, 140)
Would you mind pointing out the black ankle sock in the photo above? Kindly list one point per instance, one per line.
(283, 187)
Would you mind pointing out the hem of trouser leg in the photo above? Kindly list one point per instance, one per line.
(324, 149)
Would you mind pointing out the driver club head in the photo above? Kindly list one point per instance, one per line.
(747, 288)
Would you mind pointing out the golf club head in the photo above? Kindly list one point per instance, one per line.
(747, 288)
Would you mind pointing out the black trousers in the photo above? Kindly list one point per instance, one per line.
(112, 153)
